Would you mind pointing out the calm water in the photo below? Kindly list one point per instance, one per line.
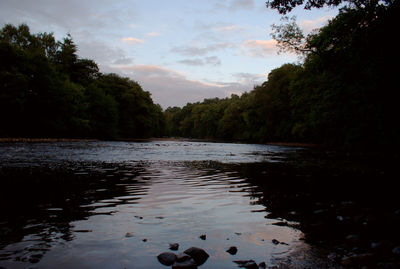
(119, 205)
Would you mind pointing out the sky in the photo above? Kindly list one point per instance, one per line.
(179, 50)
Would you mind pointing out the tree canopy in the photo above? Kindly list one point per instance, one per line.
(46, 90)
(343, 94)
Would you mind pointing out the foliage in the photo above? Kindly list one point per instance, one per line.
(47, 90)
(343, 94)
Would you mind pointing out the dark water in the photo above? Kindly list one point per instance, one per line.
(119, 205)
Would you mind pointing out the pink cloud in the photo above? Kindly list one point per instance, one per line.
(132, 40)
(259, 48)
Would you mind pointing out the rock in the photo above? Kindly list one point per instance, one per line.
(174, 246)
(198, 255)
(167, 258)
(353, 239)
(276, 242)
(232, 250)
(396, 251)
(203, 237)
(144, 240)
(281, 223)
(334, 257)
(388, 265)
(181, 257)
(357, 260)
(187, 264)
(128, 234)
(347, 262)
(262, 265)
(248, 264)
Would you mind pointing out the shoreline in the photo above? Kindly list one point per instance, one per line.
(51, 140)
(40, 140)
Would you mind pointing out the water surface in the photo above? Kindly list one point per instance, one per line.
(119, 205)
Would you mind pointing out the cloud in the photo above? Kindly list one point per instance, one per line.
(259, 48)
(246, 78)
(242, 4)
(66, 16)
(169, 87)
(235, 5)
(212, 60)
(193, 62)
(103, 53)
(152, 34)
(132, 40)
(200, 50)
(172, 88)
(228, 28)
(123, 61)
(309, 25)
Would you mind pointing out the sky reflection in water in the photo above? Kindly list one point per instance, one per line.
(119, 205)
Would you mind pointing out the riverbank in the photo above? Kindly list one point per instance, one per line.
(41, 140)
(49, 140)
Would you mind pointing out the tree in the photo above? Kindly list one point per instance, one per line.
(47, 90)
(285, 6)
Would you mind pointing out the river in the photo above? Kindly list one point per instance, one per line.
(100, 204)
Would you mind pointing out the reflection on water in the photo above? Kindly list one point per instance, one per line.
(116, 152)
(119, 205)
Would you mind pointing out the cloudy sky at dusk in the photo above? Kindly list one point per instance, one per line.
(180, 50)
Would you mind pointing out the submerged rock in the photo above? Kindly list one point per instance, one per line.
(187, 264)
(128, 234)
(248, 264)
(203, 237)
(199, 255)
(167, 258)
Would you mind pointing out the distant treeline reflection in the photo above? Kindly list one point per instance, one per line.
(343, 94)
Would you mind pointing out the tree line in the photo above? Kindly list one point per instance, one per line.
(343, 93)
(46, 90)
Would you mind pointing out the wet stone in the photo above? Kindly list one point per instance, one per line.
(198, 255)
(167, 258)
(248, 264)
(396, 251)
(174, 246)
(187, 264)
(181, 257)
(232, 250)
(276, 242)
(129, 235)
(262, 265)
